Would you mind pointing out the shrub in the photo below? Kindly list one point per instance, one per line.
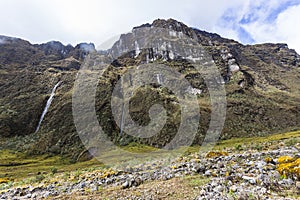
(292, 142)
(289, 167)
(214, 154)
(285, 159)
(4, 180)
(54, 170)
(238, 147)
(39, 178)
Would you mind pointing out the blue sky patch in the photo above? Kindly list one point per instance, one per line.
(232, 20)
(274, 14)
(244, 36)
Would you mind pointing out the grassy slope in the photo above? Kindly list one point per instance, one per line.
(19, 169)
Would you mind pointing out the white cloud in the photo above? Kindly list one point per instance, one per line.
(96, 21)
(283, 29)
(91, 20)
(260, 21)
(287, 28)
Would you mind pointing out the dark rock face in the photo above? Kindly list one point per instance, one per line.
(262, 85)
(55, 49)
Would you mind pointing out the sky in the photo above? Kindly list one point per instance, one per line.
(72, 22)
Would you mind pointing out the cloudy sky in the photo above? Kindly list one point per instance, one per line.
(71, 22)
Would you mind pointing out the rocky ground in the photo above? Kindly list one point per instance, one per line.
(230, 174)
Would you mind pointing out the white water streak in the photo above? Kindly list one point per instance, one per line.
(47, 105)
(159, 78)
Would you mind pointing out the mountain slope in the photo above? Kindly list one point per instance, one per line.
(262, 84)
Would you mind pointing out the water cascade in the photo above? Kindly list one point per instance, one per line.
(159, 78)
(47, 105)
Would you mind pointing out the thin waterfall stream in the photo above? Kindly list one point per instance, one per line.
(49, 101)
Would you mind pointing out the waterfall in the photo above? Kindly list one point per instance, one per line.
(159, 78)
(123, 106)
(122, 120)
(137, 49)
(147, 58)
(49, 101)
(130, 80)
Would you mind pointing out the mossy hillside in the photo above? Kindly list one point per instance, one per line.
(255, 116)
(263, 112)
(140, 103)
(28, 74)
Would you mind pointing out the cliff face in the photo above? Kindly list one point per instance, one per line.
(262, 85)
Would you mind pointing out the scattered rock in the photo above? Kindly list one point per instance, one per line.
(238, 176)
(249, 179)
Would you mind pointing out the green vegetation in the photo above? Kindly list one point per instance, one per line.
(138, 148)
(294, 135)
(17, 168)
(292, 141)
(196, 181)
(256, 143)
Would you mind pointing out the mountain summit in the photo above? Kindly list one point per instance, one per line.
(262, 90)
